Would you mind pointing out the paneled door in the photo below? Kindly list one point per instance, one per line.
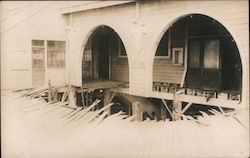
(204, 70)
(38, 63)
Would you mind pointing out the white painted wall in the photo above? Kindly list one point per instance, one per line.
(22, 21)
(141, 30)
(139, 25)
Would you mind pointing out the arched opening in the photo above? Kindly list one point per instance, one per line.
(104, 58)
(197, 52)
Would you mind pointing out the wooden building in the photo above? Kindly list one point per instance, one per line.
(188, 52)
(30, 32)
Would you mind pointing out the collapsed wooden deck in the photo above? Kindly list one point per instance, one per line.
(106, 90)
(46, 129)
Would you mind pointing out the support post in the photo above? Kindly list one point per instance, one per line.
(108, 97)
(177, 106)
(136, 110)
(72, 97)
(49, 91)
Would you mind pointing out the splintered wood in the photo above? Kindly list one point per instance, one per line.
(34, 128)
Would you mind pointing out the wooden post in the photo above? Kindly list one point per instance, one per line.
(72, 97)
(52, 94)
(108, 97)
(136, 110)
(49, 91)
(177, 106)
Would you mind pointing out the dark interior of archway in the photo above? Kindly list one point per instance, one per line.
(213, 61)
(101, 51)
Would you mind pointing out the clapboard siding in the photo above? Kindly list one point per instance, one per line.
(164, 70)
(119, 70)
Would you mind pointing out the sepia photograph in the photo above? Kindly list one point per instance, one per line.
(125, 79)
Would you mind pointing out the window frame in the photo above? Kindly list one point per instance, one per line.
(47, 50)
(119, 49)
(168, 56)
(38, 47)
(45, 46)
(180, 50)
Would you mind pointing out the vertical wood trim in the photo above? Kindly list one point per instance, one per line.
(169, 42)
(185, 58)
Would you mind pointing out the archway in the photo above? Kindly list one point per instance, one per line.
(104, 57)
(198, 52)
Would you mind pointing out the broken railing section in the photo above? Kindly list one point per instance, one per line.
(208, 94)
(175, 110)
(81, 97)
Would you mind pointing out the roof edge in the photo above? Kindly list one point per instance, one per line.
(91, 6)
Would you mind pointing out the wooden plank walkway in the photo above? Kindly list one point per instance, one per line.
(103, 84)
(33, 128)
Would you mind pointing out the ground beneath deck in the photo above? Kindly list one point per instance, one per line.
(32, 128)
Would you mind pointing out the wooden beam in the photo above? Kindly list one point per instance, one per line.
(108, 96)
(177, 105)
(165, 104)
(181, 91)
(186, 107)
(211, 102)
(162, 95)
(221, 110)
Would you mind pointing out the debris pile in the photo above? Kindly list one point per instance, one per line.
(33, 127)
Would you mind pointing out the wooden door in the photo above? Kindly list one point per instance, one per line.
(38, 66)
(194, 78)
(211, 71)
(103, 58)
(204, 70)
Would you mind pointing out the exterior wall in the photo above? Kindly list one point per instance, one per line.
(21, 22)
(82, 26)
(163, 69)
(119, 69)
(141, 25)
(236, 24)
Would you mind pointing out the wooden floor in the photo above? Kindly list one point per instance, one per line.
(33, 128)
(103, 84)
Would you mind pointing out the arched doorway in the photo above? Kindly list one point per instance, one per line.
(104, 57)
(198, 52)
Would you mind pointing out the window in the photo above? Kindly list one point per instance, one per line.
(38, 43)
(87, 54)
(56, 54)
(177, 57)
(211, 54)
(164, 46)
(38, 53)
(121, 49)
